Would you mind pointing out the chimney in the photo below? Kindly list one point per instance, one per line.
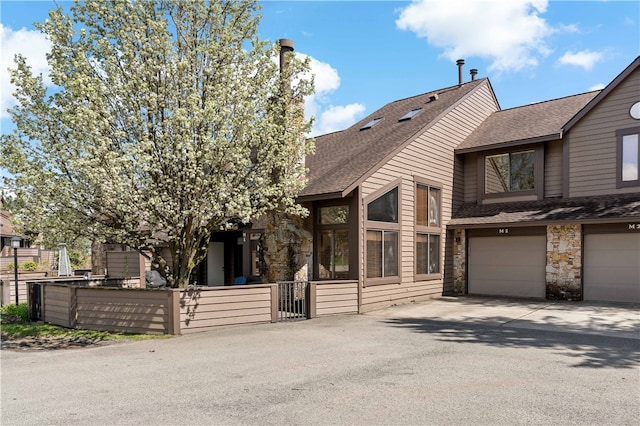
(286, 46)
(460, 63)
(473, 73)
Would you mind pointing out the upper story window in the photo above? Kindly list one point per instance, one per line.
(510, 172)
(384, 208)
(383, 238)
(628, 157)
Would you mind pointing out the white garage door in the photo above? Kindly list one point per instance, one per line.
(508, 266)
(612, 267)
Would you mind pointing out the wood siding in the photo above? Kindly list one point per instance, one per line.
(204, 308)
(123, 264)
(471, 178)
(429, 156)
(123, 310)
(58, 305)
(336, 298)
(553, 169)
(592, 142)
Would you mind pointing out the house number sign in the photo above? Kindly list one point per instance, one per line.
(634, 227)
(503, 231)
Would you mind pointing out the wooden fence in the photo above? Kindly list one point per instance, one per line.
(180, 311)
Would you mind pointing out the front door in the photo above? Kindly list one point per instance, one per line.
(215, 264)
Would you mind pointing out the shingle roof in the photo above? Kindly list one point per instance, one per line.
(525, 124)
(342, 158)
(549, 210)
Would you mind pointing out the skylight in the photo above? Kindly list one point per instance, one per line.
(371, 123)
(410, 114)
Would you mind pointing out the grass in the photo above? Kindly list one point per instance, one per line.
(15, 324)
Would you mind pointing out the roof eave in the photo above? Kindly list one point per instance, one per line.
(509, 144)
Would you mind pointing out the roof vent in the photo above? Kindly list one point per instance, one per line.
(460, 63)
(473, 73)
(433, 97)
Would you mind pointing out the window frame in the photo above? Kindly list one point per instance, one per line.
(370, 225)
(427, 230)
(320, 227)
(538, 169)
(619, 147)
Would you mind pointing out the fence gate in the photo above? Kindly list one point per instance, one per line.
(293, 298)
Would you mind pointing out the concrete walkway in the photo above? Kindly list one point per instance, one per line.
(615, 320)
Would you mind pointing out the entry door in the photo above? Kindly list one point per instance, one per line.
(215, 264)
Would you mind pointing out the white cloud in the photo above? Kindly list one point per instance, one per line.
(585, 59)
(511, 33)
(597, 86)
(328, 117)
(31, 44)
(336, 118)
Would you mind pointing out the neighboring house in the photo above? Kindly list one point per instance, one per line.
(7, 232)
(552, 199)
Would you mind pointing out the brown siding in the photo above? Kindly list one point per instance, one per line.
(429, 156)
(123, 264)
(470, 178)
(592, 142)
(210, 307)
(553, 169)
(336, 298)
(57, 305)
(119, 310)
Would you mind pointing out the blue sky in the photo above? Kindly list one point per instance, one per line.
(368, 53)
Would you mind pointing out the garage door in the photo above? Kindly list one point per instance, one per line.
(508, 266)
(612, 267)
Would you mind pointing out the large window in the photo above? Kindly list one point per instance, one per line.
(382, 235)
(428, 231)
(628, 157)
(509, 172)
(333, 242)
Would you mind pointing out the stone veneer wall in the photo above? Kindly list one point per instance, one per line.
(286, 248)
(459, 261)
(564, 262)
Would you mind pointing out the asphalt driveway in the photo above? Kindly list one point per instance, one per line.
(447, 361)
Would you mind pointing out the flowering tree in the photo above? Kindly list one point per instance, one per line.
(169, 120)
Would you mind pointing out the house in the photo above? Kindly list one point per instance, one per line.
(446, 193)
(552, 199)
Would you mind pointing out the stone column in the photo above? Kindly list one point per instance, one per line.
(459, 261)
(564, 262)
(286, 248)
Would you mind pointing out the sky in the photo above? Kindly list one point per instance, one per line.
(365, 54)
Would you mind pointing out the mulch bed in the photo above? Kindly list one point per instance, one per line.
(49, 343)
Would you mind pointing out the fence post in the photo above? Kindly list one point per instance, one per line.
(174, 312)
(311, 300)
(73, 307)
(274, 302)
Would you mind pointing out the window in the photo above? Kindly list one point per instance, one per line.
(410, 114)
(371, 123)
(628, 157)
(333, 242)
(428, 231)
(509, 172)
(383, 238)
(384, 208)
(382, 254)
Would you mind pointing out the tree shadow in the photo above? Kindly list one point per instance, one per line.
(589, 350)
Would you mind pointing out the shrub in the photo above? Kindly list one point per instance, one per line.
(15, 313)
(29, 266)
(10, 267)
